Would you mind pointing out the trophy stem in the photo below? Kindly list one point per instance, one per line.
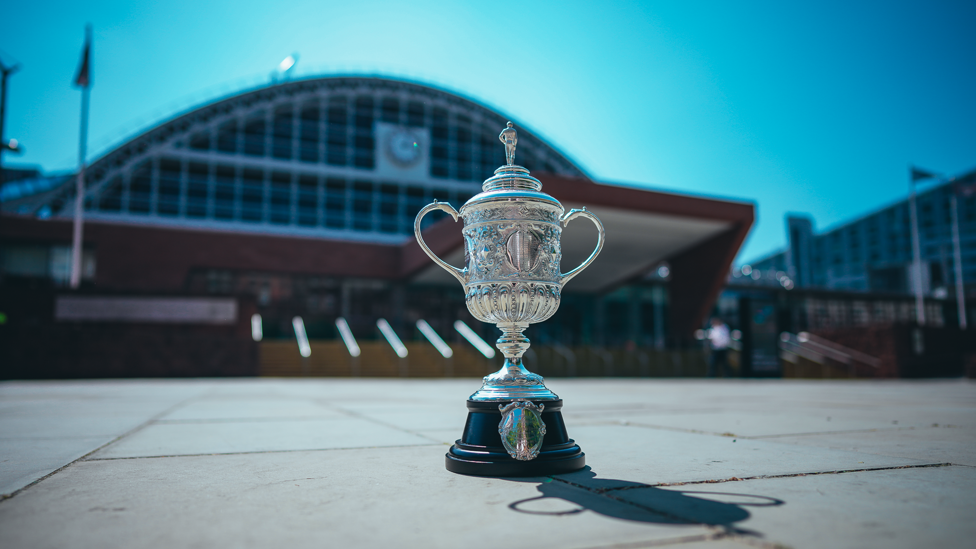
(513, 345)
(513, 381)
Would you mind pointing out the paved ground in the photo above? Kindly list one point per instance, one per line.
(340, 462)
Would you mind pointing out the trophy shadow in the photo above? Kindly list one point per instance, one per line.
(634, 501)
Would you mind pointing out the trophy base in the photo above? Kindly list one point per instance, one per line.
(480, 451)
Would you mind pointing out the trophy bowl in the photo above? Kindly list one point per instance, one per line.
(512, 278)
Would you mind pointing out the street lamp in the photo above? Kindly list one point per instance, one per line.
(284, 68)
(13, 146)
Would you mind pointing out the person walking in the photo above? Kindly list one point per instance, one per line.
(719, 339)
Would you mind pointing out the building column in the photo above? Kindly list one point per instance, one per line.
(598, 325)
(634, 314)
(658, 295)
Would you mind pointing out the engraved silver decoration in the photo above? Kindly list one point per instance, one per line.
(522, 429)
(511, 276)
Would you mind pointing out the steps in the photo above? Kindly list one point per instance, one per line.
(280, 358)
(331, 359)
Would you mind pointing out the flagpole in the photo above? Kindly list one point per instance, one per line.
(76, 237)
(916, 254)
(957, 259)
(79, 195)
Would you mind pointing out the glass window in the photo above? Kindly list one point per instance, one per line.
(439, 124)
(336, 152)
(254, 134)
(338, 113)
(168, 201)
(30, 261)
(491, 156)
(527, 158)
(197, 190)
(364, 112)
(462, 150)
(309, 133)
(281, 198)
(438, 168)
(140, 188)
(389, 204)
(224, 193)
(227, 137)
(335, 203)
(308, 199)
(364, 143)
(283, 126)
(363, 159)
(252, 195)
(390, 110)
(200, 141)
(362, 205)
(415, 113)
(463, 134)
(111, 199)
(416, 199)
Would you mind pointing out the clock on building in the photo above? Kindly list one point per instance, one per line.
(403, 147)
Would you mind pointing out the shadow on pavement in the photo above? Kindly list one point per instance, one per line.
(621, 499)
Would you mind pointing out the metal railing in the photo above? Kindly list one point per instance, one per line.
(567, 355)
(820, 351)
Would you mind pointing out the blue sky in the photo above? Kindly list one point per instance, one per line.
(815, 108)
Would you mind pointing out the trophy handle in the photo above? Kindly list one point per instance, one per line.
(600, 235)
(443, 206)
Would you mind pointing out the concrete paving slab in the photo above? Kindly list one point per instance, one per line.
(46, 425)
(653, 456)
(444, 436)
(917, 507)
(73, 423)
(353, 390)
(396, 497)
(414, 417)
(943, 444)
(86, 409)
(22, 461)
(386, 495)
(248, 407)
(761, 395)
(691, 543)
(222, 437)
(741, 424)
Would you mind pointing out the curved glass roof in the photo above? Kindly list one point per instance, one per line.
(336, 157)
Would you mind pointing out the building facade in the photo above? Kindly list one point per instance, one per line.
(874, 253)
(301, 198)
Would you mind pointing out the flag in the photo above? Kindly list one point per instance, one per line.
(919, 175)
(83, 79)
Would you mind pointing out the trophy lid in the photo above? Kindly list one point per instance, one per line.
(510, 181)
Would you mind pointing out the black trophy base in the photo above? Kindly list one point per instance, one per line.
(480, 451)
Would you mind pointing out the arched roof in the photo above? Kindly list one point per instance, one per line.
(271, 159)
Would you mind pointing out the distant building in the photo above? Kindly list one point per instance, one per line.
(14, 173)
(301, 197)
(874, 253)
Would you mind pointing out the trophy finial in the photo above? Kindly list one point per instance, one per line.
(510, 138)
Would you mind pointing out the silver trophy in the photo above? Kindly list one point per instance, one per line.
(512, 279)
